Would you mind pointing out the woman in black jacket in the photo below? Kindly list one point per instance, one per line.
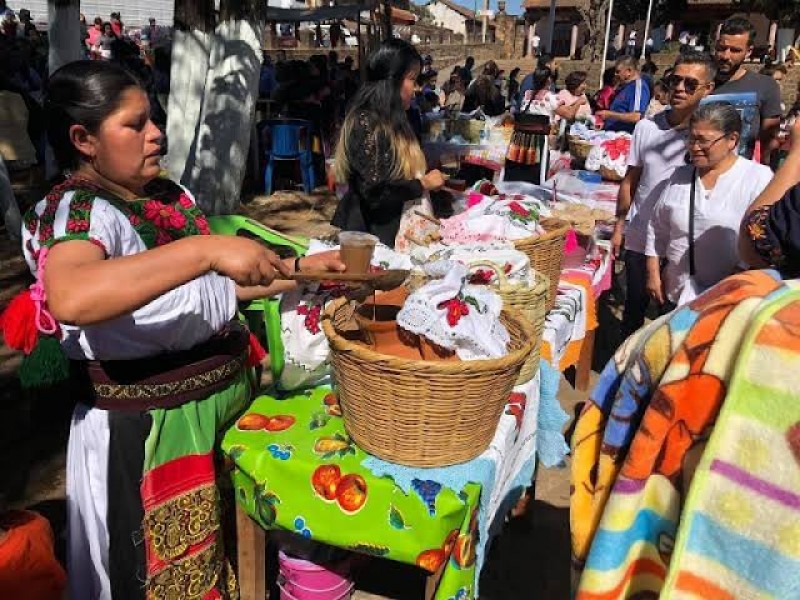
(378, 155)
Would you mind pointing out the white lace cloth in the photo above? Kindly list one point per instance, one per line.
(477, 333)
(494, 218)
(516, 264)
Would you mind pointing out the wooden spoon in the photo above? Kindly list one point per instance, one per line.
(379, 280)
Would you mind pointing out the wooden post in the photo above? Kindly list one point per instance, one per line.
(252, 546)
(583, 370)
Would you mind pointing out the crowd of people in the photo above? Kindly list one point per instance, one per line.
(698, 202)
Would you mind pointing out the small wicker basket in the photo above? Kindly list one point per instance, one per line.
(546, 253)
(422, 413)
(531, 301)
(579, 149)
(610, 174)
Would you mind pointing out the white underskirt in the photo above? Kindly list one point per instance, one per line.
(87, 505)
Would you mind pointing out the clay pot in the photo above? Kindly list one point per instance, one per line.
(378, 324)
(431, 351)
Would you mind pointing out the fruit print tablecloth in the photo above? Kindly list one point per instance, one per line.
(298, 470)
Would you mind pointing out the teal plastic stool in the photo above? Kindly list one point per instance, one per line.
(266, 312)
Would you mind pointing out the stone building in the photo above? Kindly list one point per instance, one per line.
(702, 17)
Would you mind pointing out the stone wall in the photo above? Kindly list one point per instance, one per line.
(443, 54)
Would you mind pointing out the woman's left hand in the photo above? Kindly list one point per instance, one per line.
(323, 261)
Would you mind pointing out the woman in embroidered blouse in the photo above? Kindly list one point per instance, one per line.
(378, 155)
(770, 232)
(143, 509)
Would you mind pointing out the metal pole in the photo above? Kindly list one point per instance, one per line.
(646, 29)
(485, 24)
(605, 44)
(551, 26)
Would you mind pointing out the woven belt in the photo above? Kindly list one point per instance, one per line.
(167, 380)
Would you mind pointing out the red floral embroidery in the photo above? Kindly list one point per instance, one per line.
(516, 406)
(202, 226)
(135, 220)
(517, 208)
(185, 201)
(163, 216)
(456, 309)
(77, 226)
(312, 313)
(162, 238)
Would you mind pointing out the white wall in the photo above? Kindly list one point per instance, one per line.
(446, 17)
(135, 13)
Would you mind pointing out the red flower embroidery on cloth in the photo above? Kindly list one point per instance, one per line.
(163, 216)
(185, 201)
(517, 208)
(516, 406)
(134, 220)
(481, 277)
(312, 313)
(456, 308)
(617, 147)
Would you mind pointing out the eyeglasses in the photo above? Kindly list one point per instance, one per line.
(690, 84)
(702, 144)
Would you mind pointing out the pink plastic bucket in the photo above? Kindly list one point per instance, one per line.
(305, 580)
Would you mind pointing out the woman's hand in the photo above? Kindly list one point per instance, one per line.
(323, 261)
(245, 261)
(655, 289)
(433, 180)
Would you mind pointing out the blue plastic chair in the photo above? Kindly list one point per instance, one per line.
(289, 139)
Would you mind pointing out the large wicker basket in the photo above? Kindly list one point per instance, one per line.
(422, 413)
(530, 301)
(546, 253)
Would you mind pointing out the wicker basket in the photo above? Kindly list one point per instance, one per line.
(422, 413)
(610, 174)
(546, 253)
(528, 300)
(579, 149)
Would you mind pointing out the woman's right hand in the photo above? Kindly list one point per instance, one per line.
(245, 261)
(655, 289)
(433, 180)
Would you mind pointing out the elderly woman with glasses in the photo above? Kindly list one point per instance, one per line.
(692, 235)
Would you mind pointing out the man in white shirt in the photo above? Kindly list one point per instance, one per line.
(657, 149)
(535, 43)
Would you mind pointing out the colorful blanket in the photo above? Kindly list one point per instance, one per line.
(664, 501)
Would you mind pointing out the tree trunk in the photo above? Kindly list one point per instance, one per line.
(593, 13)
(226, 121)
(64, 33)
(190, 55)
(214, 86)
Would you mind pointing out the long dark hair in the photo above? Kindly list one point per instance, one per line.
(379, 97)
(82, 93)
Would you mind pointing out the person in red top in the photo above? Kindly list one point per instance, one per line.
(93, 36)
(116, 24)
(28, 565)
(605, 96)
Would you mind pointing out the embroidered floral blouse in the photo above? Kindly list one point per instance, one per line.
(177, 320)
(775, 233)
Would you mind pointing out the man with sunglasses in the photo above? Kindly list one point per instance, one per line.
(657, 149)
(733, 47)
(631, 100)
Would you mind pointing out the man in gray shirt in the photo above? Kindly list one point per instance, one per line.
(734, 45)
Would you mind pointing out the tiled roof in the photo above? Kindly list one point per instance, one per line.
(464, 12)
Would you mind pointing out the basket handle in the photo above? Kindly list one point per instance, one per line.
(499, 271)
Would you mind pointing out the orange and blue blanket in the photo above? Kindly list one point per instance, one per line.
(686, 459)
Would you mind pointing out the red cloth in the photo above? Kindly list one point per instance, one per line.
(28, 565)
(93, 36)
(116, 27)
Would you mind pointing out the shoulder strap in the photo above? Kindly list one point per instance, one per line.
(692, 193)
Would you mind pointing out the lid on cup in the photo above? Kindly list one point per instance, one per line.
(357, 238)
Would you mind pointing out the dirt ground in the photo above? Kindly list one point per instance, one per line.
(530, 559)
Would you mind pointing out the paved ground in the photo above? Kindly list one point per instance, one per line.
(530, 558)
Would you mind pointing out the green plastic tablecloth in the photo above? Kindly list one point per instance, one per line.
(296, 469)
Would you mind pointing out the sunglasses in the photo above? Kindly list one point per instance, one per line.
(690, 84)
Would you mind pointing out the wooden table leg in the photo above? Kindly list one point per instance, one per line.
(252, 544)
(432, 582)
(583, 369)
